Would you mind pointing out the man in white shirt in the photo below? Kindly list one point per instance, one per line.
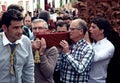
(17, 65)
(104, 49)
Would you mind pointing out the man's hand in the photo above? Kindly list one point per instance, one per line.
(42, 46)
(36, 44)
(65, 46)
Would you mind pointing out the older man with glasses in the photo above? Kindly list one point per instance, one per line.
(45, 58)
(75, 63)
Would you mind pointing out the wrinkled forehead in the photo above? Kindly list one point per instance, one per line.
(38, 24)
(74, 24)
(15, 22)
(28, 18)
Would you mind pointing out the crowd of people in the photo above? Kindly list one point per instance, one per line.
(90, 56)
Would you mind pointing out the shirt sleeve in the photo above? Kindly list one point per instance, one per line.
(80, 64)
(28, 68)
(48, 62)
(104, 53)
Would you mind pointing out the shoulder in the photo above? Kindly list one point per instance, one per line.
(109, 43)
(52, 51)
(1, 33)
(53, 48)
(88, 45)
(25, 39)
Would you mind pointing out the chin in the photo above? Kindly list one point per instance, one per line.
(70, 37)
(19, 37)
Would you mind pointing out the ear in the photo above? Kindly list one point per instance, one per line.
(81, 31)
(4, 27)
(102, 31)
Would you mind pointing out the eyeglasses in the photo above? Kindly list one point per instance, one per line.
(74, 28)
(39, 28)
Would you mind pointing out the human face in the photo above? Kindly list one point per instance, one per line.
(38, 27)
(95, 33)
(62, 29)
(27, 21)
(75, 31)
(14, 31)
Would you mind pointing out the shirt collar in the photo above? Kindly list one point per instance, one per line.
(99, 42)
(6, 41)
(80, 41)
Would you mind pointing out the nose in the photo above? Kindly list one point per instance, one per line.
(20, 30)
(37, 30)
(69, 30)
(90, 28)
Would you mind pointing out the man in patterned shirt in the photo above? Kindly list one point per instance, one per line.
(75, 63)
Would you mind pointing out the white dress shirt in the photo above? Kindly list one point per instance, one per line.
(23, 61)
(104, 51)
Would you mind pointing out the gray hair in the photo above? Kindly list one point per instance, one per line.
(82, 25)
(40, 20)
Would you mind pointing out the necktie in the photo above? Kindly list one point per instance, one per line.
(37, 57)
(13, 48)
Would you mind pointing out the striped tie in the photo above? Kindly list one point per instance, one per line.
(12, 47)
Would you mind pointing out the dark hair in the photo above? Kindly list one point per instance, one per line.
(67, 17)
(102, 23)
(59, 18)
(16, 7)
(44, 15)
(27, 15)
(11, 15)
(61, 24)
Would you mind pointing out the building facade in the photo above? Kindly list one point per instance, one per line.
(31, 5)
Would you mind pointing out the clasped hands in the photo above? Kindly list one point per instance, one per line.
(39, 44)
